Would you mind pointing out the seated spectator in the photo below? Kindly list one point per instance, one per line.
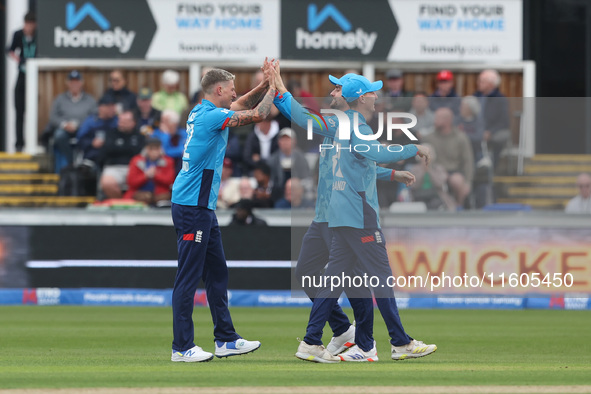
(388, 191)
(172, 136)
(494, 112)
(246, 188)
(396, 98)
(288, 161)
(197, 97)
(582, 202)
(261, 143)
(425, 117)
(229, 187)
(469, 122)
(445, 95)
(151, 175)
(244, 216)
(306, 98)
(169, 97)
(124, 98)
(68, 111)
(454, 153)
(92, 133)
(234, 153)
(262, 196)
(293, 197)
(147, 117)
(121, 145)
(430, 185)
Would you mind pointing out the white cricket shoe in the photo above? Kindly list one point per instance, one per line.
(315, 353)
(193, 355)
(414, 349)
(234, 348)
(357, 354)
(343, 342)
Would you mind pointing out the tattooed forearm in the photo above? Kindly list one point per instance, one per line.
(257, 114)
(264, 106)
(252, 98)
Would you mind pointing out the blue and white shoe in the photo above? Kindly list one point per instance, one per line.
(355, 354)
(193, 355)
(234, 348)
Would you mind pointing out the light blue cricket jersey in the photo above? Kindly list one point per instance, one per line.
(291, 109)
(198, 182)
(354, 197)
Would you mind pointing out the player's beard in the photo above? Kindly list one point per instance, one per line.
(337, 103)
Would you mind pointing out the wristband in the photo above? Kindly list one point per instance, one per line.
(392, 175)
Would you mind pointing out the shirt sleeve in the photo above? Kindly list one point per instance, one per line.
(326, 126)
(218, 118)
(378, 152)
(384, 174)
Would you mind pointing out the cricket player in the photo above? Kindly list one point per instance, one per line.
(194, 199)
(313, 254)
(316, 243)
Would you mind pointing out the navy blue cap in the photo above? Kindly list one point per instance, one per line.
(106, 100)
(357, 85)
(74, 74)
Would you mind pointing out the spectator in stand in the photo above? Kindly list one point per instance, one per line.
(470, 122)
(396, 97)
(246, 188)
(68, 111)
(425, 117)
(151, 175)
(124, 98)
(172, 136)
(388, 192)
(229, 187)
(92, 133)
(287, 162)
(494, 112)
(197, 97)
(169, 97)
(23, 47)
(244, 216)
(262, 196)
(261, 143)
(445, 95)
(454, 153)
(430, 185)
(582, 202)
(293, 196)
(307, 99)
(147, 117)
(121, 145)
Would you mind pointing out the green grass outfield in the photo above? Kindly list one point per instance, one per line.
(68, 346)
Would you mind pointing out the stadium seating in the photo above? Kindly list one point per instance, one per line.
(22, 184)
(549, 181)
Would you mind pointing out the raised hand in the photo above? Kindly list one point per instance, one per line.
(278, 80)
(270, 75)
(425, 153)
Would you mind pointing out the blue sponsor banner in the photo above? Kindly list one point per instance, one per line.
(271, 298)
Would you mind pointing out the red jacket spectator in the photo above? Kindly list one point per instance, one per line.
(151, 175)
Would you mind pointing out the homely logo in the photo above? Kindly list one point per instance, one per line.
(345, 39)
(328, 29)
(71, 37)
